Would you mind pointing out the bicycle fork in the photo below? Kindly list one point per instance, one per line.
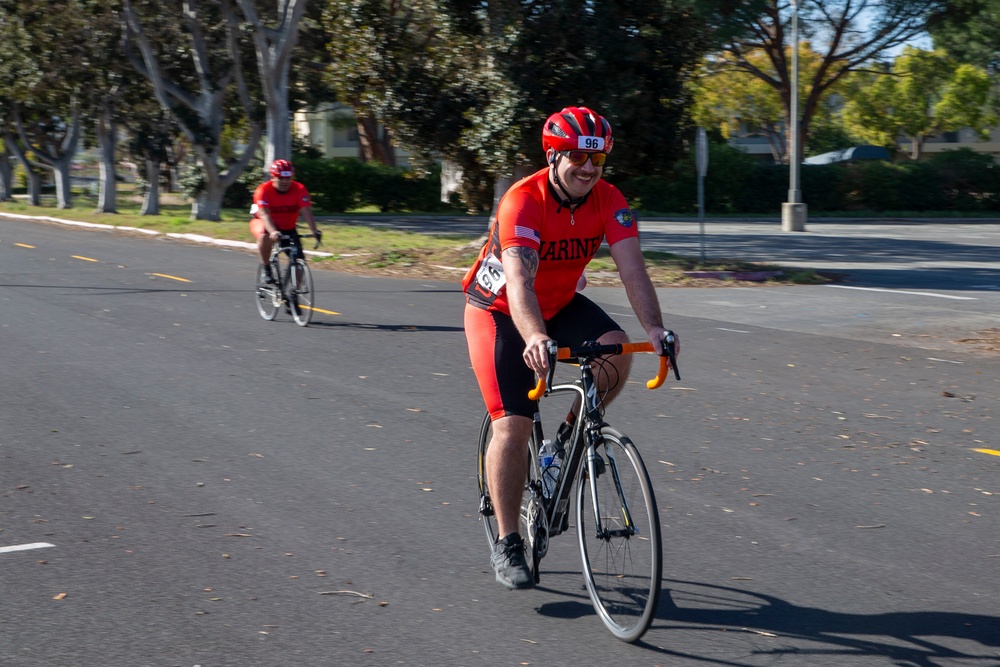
(596, 466)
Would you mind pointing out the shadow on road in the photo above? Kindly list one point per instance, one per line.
(402, 328)
(800, 632)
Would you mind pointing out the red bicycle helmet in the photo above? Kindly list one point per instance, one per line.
(577, 129)
(282, 169)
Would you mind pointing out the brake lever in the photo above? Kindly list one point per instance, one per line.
(669, 347)
(552, 350)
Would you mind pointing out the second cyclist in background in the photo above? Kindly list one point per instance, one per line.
(275, 211)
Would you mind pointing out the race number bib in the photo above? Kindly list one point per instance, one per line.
(590, 143)
(490, 275)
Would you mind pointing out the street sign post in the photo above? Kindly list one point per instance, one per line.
(701, 163)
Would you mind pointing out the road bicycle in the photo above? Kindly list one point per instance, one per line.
(291, 289)
(617, 522)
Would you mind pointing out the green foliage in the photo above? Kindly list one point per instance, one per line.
(340, 185)
(969, 30)
(969, 180)
(394, 189)
(335, 185)
(923, 94)
(960, 181)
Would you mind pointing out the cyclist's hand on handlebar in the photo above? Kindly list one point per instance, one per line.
(536, 354)
(319, 237)
(655, 336)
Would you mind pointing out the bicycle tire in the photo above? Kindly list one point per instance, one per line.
(532, 525)
(300, 293)
(268, 296)
(622, 567)
(281, 264)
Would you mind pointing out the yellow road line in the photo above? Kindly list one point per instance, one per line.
(992, 452)
(24, 245)
(320, 310)
(86, 259)
(164, 275)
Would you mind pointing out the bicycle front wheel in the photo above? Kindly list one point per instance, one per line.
(619, 532)
(268, 296)
(532, 524)
(300, 293)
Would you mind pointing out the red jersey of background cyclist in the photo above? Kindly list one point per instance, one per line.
(283, 207)
(528, 216)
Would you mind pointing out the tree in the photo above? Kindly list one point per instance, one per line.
(46, 107)
(922, 95)
(473, 81)
(15, 69)
(850, 35)
(274, 43)
(373, 45)
(969, 30)
(197, 74)
(724, 97)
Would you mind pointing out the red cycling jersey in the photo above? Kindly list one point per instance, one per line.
(283, 207)
(529, 216)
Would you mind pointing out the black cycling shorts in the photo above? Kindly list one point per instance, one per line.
(496, 349)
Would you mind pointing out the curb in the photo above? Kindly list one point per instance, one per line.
(196, 238)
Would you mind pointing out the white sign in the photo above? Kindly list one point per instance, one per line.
(701, 152)
(590, 143)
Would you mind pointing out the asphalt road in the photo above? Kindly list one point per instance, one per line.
(220, 490)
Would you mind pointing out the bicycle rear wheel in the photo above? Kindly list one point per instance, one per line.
(620, 539)
(268, 296)
(300, 293)
(532, 525)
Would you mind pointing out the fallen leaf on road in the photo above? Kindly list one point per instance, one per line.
(366, 596)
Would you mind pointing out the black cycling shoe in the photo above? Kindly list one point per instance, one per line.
(265, 274)
(509, 563)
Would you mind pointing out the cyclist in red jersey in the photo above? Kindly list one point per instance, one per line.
(275, 211)
(521, 293)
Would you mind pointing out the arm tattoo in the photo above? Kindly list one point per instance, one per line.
(529, 259)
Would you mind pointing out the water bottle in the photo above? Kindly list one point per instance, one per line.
(548, 463)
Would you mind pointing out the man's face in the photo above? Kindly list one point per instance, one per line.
(281, 183)
(577, 179)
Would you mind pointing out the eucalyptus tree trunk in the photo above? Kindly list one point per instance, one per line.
(201, 111)
(32, 176)
(107, 199)
(274, 47)
(58, 156)
(6, 176)
(151, 198)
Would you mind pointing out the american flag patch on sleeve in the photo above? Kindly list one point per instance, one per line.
(527, 233)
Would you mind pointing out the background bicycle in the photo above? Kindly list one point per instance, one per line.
(293, 283)
(617, 522)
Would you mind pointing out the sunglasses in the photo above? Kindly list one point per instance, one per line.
(579, 158)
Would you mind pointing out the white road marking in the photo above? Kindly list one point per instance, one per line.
(733, 330)
(903, 291)
(947, 361)
(25, 547)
